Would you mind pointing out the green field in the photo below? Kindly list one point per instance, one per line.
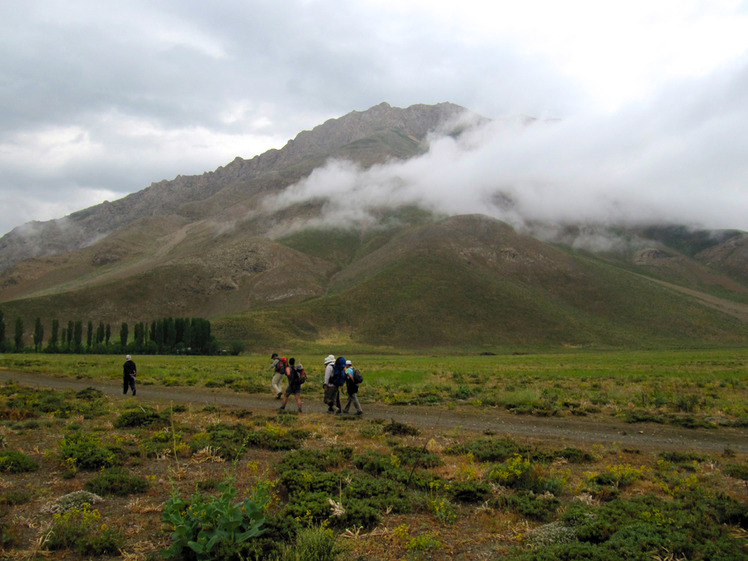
(693, 388)
(223, 482)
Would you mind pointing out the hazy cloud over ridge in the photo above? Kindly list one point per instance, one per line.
(98, 100)
(666, 161)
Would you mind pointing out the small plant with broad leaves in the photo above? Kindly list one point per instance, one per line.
(215, 527)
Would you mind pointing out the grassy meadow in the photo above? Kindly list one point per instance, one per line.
(689, 387)
(87, 476)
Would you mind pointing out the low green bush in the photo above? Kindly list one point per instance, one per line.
(85, 451)
(117, 481)
(738, 471)
(315, 543)
(13, 497)
(81, 530)
(13, 461)
(528, 504)
(143, 417)
(489, 449)
(472, 491)
(400, 429)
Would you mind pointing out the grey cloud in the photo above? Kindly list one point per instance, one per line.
(159, 89)
(674, 160)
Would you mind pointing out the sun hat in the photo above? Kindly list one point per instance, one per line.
(128, 357)
(348, 363)
(329, 359)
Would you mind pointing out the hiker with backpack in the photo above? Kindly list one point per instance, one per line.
(129, 371)
(279, 371)
(332, 390)
(296, 377)
(353, 378)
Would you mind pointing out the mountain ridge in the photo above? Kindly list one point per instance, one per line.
(204, 245)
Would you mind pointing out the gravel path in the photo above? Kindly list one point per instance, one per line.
(560, 431)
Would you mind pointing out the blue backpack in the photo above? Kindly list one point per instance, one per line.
(338, 372)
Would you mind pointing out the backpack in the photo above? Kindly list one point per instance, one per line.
(357, 377)
(338, 372)
(281, 366)
(300, 373)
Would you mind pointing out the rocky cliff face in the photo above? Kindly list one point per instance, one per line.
(273, 169)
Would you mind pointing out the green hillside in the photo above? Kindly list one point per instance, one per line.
(411, 288)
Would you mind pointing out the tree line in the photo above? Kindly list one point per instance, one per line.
(161, 336)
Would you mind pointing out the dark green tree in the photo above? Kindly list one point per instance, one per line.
(139, 335)
(78, 336)
(38, 334)
(2, 331)
(107, 334)
(70, 335)
(19, 334)
(170, 334)
(123, 334)
(89, 335)
(100, 333)
(54, 335)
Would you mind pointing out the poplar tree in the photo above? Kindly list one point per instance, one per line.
(38, 334)
(19, 334)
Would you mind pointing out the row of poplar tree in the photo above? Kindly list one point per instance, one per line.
(161, 336)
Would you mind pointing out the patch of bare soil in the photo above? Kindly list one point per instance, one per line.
(563, 431)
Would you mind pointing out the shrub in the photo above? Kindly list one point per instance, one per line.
(417, 456)
(89, 393)
(13, 461)
(116, 481)
(400, 429)
(80, 529)
(144, 417)
(472, 491)
(489, 449)
(85, 451)
(207, 527)
(530, 505)
(575, 455)
(313, 544)
(15, 497)
(681, 457)
(738, 471)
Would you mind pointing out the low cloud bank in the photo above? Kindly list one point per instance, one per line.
(678, 160)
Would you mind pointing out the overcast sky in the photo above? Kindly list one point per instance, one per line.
(100, 99)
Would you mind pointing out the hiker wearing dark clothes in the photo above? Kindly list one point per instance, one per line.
(129, 370)
(332, 393)
(294, 383)
(279, 372)
(351, 387)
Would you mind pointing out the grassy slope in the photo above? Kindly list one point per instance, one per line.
(397, 292)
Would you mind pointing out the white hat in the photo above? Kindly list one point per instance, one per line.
(127, 357)
(329, 359)
(348, 363)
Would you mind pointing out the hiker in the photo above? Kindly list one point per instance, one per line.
(332, 394)
(293, 371)
(279, 368)
(128, 375)
(351, 386)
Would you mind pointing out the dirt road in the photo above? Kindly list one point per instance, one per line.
(559, 431)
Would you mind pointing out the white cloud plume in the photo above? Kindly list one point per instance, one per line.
(661, 162)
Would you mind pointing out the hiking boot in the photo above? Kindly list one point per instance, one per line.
(282, 408)
(359, 412)
(345, 411)
(279, 395)
(337, 412)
